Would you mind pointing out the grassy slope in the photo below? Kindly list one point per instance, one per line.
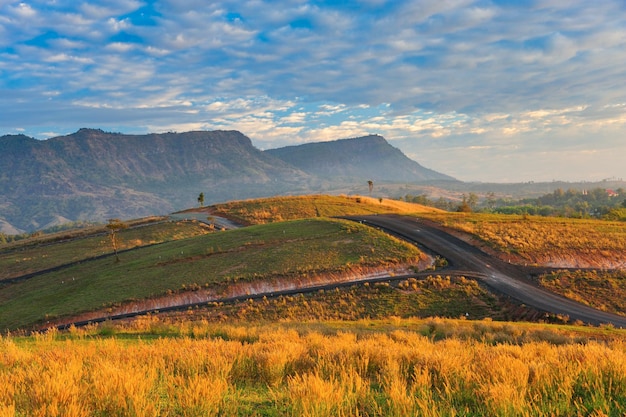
(269, 210)
(523, 239)
(557, 242)
(526, 239)
(49, 252)
(543, 240)
(603, 290)
(434, 296)
(253, 253)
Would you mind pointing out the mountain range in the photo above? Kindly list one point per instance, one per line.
(92, 175)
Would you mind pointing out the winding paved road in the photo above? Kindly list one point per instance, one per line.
(463, 258)
(502, 277)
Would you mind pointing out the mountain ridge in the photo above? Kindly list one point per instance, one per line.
(92, 175)
(362, 157)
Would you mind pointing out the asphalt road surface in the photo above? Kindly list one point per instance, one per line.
(505, 278)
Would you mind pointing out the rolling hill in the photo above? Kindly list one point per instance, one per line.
(293, 243)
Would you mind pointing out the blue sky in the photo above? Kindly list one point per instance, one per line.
(501, 91)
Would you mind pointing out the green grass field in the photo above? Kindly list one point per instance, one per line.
(45, 253)
(289, 249)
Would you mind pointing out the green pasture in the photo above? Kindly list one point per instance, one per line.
(288, 249)
(45, 253)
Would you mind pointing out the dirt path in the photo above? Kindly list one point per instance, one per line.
(204, 217)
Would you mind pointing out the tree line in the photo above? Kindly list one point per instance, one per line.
(594, 203)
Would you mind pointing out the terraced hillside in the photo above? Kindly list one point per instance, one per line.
(293, 243)
(204, 263)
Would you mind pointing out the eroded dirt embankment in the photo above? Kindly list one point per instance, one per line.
(592, 259)
(242, 289)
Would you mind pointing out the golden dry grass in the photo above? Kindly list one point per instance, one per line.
(276, 209)
(401, 207)
(279, 371)
(546, 240)
(603, 290)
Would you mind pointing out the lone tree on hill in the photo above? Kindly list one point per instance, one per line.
(465, 206)
(114, 226)
(370, 184)
(201, 199)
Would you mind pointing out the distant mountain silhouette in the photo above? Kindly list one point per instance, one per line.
(94, 175)
(364, 158)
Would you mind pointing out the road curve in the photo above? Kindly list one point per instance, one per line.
(505, 278)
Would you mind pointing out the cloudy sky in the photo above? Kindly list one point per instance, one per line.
(501, 90)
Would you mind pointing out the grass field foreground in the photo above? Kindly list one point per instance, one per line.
(288, 250)
(388, 368)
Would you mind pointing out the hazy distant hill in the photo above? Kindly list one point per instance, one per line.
(365, 158)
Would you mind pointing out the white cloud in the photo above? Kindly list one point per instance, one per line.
(120, 46)
(327, 109)
(118, 25)
(496, 79)
(23, 10)
(296, 117)
(65, 58)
